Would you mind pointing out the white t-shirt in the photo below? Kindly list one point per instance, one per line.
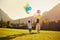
(29, 25)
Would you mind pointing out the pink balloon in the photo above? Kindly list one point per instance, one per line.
(38, 11)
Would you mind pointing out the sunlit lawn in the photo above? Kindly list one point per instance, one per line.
(19, 34)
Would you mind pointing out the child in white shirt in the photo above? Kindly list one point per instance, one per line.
(29, 26)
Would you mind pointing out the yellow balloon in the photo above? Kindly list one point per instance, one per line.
(38, 16)
(26, 5)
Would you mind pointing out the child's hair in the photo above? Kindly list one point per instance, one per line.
(29, 21)
(37, 21)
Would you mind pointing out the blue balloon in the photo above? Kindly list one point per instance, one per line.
(28, 8)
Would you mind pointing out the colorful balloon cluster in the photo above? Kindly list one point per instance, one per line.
(27, 8)
(38, 16)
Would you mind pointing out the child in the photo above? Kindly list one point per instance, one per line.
(29, 26)
(37, 25)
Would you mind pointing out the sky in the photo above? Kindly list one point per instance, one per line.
(15, 8)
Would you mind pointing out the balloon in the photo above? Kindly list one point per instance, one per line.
(27, 8)
(38, 11)
(38, 16)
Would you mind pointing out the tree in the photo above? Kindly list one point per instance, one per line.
(1, 23)
(8, 24)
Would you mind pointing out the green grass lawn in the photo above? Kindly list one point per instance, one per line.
(19, 34)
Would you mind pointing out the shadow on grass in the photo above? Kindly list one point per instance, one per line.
(14, 36)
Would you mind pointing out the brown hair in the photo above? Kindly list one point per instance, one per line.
(37, 21)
